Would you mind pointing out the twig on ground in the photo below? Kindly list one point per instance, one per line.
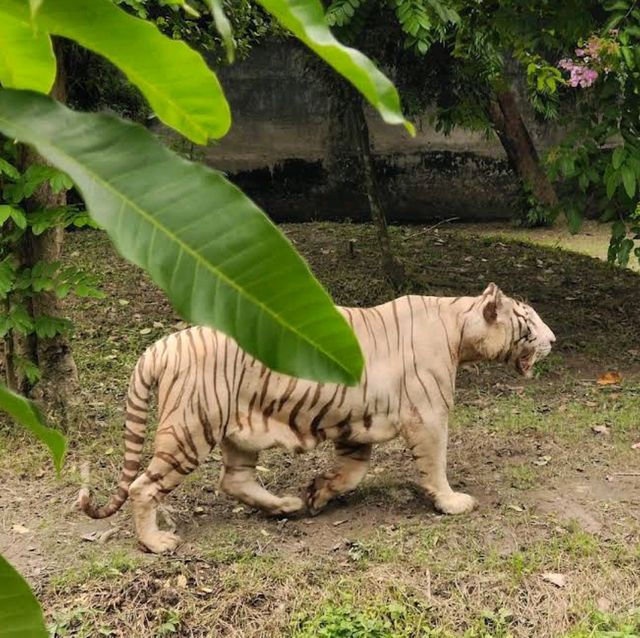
(426, 230)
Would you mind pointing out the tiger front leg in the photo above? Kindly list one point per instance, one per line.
(428, 446)
(351, 467)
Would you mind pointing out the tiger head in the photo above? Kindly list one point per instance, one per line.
(511, 331)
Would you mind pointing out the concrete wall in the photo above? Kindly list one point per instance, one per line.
(279, 146)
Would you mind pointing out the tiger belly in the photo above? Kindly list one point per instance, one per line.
(304, 432)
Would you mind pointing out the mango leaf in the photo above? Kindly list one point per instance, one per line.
(629, 180)
(216, 254)
(20, 613)
(305, 19)
(181, 89)
(26, 54)
(27, 414)
(223, 27)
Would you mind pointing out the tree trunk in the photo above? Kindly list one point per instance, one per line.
(357, 125)
(521, 152)
(58, 385)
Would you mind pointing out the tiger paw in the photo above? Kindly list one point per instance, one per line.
(318, 494)
(161, 542)
(289, 504)
(455, 503)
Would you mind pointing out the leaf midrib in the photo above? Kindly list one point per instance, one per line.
(186, 248)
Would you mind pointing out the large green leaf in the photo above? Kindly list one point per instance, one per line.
(20, 613)
(306, 20)
(183, 92)
(26, 55)
(220, 259)
(27, 414)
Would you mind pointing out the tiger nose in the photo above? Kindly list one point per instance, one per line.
(552, 337)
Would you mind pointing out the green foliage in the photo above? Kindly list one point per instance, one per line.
(20, 614)
(18, 42)
(601, 625)
(344, 619)
(242, 283)
(601, 174)
(197, 108)
(19, 283)
(193, 103)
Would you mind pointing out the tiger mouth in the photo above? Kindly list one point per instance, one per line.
(524, 364)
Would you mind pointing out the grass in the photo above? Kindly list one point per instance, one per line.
(554, 495)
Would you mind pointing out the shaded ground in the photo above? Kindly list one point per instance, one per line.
(555, 496)
(592, 240)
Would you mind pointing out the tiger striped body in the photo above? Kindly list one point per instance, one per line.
(211, 392)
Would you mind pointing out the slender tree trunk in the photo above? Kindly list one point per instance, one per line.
(58, 386)
(521, 152)
(393, 268)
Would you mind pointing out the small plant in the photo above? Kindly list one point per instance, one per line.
(19, 283)
(170, 624)
(389, 619)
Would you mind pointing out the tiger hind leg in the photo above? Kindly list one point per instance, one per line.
(351, 467)
(170, 465)
(239, 480)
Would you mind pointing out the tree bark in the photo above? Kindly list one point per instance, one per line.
(58, 385)
(356, 124)
(518, 145)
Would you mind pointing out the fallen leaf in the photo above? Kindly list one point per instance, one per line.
(92, 537)
(542, 460)
(600, 429)
(516, 508)
(106, 535)
(145, 331)
(264, 532)
(181, 581)
(609, 378)
(237, 510)
(206, 590)
(158, 324)
(20, 529)
(123, 302)
(198, 510)
(559, 580)
(261, 468)
(340, 522)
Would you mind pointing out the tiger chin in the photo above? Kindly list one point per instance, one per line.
(210, 392)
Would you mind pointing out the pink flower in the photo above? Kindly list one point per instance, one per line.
(579, 52)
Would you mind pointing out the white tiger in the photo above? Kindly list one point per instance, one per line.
(211, 392)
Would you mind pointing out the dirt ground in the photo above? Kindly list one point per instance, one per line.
(553, 550)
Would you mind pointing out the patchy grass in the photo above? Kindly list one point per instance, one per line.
(555, 496)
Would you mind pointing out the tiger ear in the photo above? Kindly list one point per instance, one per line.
(493, 296)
